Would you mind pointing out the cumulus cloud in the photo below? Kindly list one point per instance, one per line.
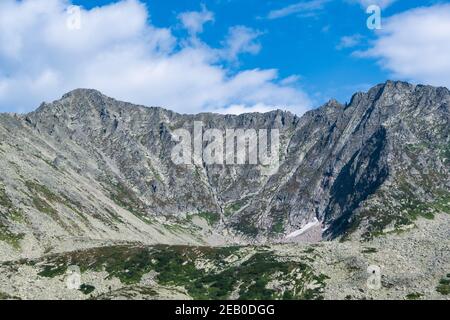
(193, 21)
(119, 52)
(415, 45)
(241, 39)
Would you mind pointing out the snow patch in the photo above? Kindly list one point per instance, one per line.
(306, 227)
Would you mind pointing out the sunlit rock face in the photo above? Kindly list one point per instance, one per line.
(87, 169)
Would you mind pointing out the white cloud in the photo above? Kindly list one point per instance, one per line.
(120, 53)
(415, 45)
(349, 41)
(239, 108)
(304, 8)
(193, 21)
(383, 4)
(293, 79)
(241, 39)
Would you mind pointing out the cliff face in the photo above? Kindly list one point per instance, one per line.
(90, 167)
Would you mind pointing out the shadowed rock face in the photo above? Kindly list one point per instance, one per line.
(90, 166)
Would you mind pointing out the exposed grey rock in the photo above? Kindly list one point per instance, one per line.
(92, 168)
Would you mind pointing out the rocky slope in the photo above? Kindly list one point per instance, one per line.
(88, 169)
(411, 265)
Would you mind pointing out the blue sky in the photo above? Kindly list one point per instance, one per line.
(259, 55)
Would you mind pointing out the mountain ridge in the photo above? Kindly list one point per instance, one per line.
(342, 164)
(375, 88)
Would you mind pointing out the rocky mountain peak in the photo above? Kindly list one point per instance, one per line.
(347, 170)
(82, 92)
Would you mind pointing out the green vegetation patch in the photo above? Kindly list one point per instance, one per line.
(204, 272)
(126, 263)
(231, 208)
(129, 292)
(86, 288)
(414, 296)
(251, 280)
(409, 210)
(246, 226)
(13, 239)
(444, 285)
(6, 296)
(442, 203)
(9, 213)
(212, 218)
(277, 227)
(5, 201)
(279, 218)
